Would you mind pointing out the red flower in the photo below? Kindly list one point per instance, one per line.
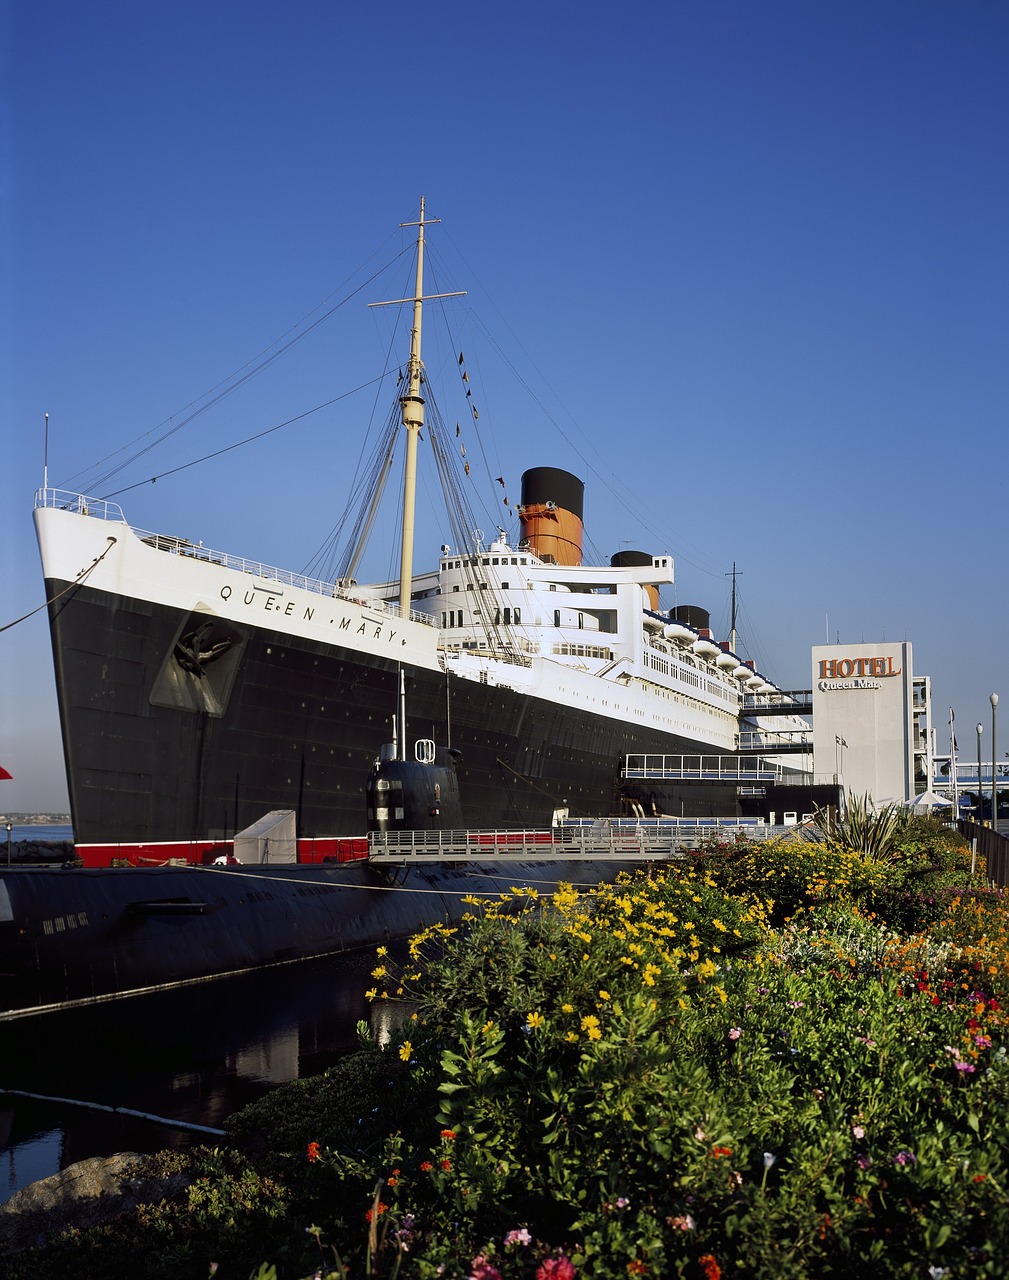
(313, 1151)
(426, 1166)
(446, 1165)
(710, 1267)
(980, 1177)
(380, 1209)
(447, 1133)
(559, 1268)
(718, 1152)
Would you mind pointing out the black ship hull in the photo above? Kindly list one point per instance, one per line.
(76, 936)
(156, 753)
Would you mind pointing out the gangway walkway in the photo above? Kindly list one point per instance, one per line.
(783, 702)
(753, 770)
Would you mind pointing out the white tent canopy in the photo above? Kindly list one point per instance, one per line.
(929, 800)
(271, 839)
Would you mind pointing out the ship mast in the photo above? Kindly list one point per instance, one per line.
(412, 407)
(732, 627)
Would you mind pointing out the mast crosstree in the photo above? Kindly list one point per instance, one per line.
(412, 407)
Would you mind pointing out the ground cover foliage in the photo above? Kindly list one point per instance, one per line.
(774, 1060)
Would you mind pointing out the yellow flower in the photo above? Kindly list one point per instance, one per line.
(405, 1049)
(487, 1028)
(567, 1008)
(589, 1021)
(571, 1037)
(381, 951)
(371, 993)
(379, 972)
(594, 1033)
(534, 1019)
(604, 995)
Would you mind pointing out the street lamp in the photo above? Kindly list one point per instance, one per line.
(993, 699)
(9, 825)
(980, 799)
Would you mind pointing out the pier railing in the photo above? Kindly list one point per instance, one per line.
(607, 840)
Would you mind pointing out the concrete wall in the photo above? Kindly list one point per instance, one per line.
(862, 695)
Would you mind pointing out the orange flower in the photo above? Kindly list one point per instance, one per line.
(710, 1267)
(426, 1166)
(380, 1209)
(313, 1151)
(447, 1133)
(718, 1152)
(446, 1165)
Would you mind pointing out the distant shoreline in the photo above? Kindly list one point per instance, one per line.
(36, 819)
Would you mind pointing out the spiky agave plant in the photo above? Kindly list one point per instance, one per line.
(865, 829)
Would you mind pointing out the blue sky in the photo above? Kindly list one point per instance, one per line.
(748, 261)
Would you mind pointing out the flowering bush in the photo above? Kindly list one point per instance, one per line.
(735, 1064)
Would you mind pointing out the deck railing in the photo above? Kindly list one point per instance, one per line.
(63, 500)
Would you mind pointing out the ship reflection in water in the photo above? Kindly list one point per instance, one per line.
(195, 1054)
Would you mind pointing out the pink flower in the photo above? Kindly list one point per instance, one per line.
(521, 1236)
(483, 1270)
(559, 1268)
(735, 1033)
(857, 1131)
(863, 1161)
(965, 1068)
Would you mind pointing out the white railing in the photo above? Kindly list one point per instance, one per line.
(600, 839)
(102, 510)
(768, 739)
(64, 500)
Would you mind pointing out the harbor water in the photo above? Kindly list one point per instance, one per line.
(194, 1054)
(37, 831)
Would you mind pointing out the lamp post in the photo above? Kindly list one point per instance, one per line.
(980, 799)
(9, 825)
(993, 699)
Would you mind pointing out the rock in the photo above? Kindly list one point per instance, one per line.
(84, 1195)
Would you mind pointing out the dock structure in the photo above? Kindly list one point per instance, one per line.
(607, 840)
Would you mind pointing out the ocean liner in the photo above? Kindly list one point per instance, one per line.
(234, 732)
(198, 691)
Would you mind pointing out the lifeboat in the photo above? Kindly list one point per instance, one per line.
(742, 673)
(705, 648)
(754, 682)
(679, 633)
(727, 661)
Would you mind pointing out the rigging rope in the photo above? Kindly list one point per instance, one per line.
(231, 384)
(60, 594)
(249, 439)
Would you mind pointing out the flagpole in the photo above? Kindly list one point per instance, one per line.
(952, 762)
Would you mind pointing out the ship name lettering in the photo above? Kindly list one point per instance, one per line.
(249, 597)
(362, 628)
(844, 668)
(289, 608)
(309, 613)
(344, 624)
(225, 593)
